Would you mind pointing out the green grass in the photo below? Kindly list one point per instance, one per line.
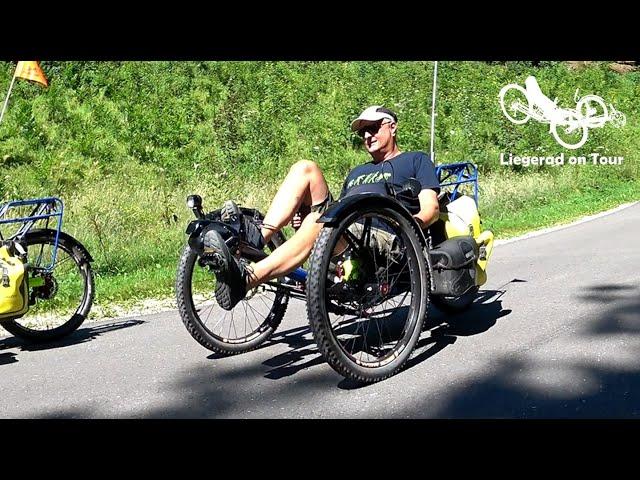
(124, 143)
(546, 211)
(514, 203)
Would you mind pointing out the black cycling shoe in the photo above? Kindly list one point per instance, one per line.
(247, 230)
(230, 273)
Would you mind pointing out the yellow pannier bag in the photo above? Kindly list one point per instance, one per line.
(462, 218)
(14, 296)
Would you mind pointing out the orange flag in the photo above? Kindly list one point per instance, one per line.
(31, 71)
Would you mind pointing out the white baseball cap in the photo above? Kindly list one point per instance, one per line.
(371, 115)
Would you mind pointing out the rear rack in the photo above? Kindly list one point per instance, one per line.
(44, 209)
(455, 176)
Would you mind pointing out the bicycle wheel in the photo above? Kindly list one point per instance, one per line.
(367, 323)
(239, 330)
(61, 299)
(515, 104)
(572, 133)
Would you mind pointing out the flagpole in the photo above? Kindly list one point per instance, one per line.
(8, 94)
(433, 108)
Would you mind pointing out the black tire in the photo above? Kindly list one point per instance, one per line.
(262, 324)
(455, 304)
(72, 278)
(336, 339)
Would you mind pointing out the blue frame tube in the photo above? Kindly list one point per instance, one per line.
(464, 172)
(299, 275)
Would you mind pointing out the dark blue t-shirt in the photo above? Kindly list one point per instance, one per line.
(370, 177)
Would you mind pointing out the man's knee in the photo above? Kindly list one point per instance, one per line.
(304, 167)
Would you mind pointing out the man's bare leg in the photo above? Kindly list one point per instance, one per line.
(288, 256)
(304, 184)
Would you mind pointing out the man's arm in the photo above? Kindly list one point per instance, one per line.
(429, 208)
(425, 172)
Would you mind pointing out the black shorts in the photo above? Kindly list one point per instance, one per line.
(324, 205)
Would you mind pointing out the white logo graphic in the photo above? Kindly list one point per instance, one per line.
(570, 127)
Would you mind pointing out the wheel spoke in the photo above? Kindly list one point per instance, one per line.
(222, 317)
(366, 232)
(240, 328)
(60, 262)
(253, 312)
(230, 323)
(62, 299)
(352, 240)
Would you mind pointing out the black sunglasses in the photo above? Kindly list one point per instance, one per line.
(371, 129)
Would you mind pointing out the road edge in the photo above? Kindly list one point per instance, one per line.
(555, 228)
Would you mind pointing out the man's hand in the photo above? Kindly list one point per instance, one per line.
(299, 216)
(296, 221)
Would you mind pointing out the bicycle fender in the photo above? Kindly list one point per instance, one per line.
(76, 244)
(347, 205)
(196, 228)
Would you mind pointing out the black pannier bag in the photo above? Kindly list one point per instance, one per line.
(454, 266)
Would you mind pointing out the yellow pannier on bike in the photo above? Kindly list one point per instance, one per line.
(14, 296)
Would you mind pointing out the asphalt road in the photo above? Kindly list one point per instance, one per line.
(556, 334)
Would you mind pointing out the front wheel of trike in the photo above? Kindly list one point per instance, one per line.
(239, 330)
(366, 303)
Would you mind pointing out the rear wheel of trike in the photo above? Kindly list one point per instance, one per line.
(366, 305)
(60, 299)
(253, 320)
(448, 304)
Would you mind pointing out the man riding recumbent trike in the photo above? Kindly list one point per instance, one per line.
(400, 234)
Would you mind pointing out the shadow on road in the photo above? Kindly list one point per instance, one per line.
(237, 387)
(593, 372)
(7, 357)
(446, 328)
(241, 388)
(598, 375)
(301, 344)
(303, 352)
(480, 317)
(79, 336)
